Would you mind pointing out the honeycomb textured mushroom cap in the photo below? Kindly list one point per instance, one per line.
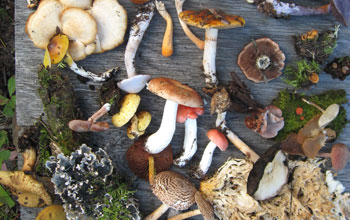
(261, 60)
(174, 190)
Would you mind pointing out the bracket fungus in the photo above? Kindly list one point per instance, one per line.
(211, 20)
(261, 60)
(188, 116)
(175, 93)
(135, 83)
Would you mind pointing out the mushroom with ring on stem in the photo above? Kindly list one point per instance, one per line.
(135, 83)
(175, 93)
(188, 116)
(211, 20)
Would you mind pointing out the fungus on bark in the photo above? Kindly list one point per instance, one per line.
(211, 20)
(261, 60)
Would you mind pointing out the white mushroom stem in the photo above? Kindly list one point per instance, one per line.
(234, 139)
(158, 212)
(206, 160)
(190, 143)
(101, 112)
(143, 19)
(209, 55)
(198, 42)
(186, 215)
(167, 46)
(87, 74)
(158, 141)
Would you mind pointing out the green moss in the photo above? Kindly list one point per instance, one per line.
(288, 102)
(44, 152)
(298, 76)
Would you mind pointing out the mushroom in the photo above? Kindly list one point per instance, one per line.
(175, 93)
(138, 125)
(198, 42)
(211, 20)
(328, 115)
(339, 155)
(52, 212)
(267, 122)
(129, 105)
(339, 8)
(188, 116)
(268, 175)
(29, 159)
(217, 139)
(261, 60)
(135, 83)
(167, 46)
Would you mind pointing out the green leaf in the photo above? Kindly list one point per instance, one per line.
(11, 85)
(12, 102)
(5, 198)
(3, 100)
(3, 138)
(4, 155)
(8, 111)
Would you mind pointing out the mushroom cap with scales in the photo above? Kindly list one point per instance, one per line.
(171, 89)
(211, 18)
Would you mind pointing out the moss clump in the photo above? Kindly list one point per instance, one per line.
(289, 102)
(44, 152)
(299, 76)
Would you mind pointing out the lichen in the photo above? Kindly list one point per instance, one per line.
(289, 102)
(299, 76)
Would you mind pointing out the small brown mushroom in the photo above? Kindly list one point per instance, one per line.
(339, 155)
(261, 60)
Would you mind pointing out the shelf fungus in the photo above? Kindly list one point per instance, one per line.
(211, 20)
(267, 122)
(339, 67)
(261, 60)
(135, 83)
(84, 28)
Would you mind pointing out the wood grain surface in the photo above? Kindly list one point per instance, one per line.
(185, 66)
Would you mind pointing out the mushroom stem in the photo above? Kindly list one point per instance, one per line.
(323, 154)
(198, 42)
(151, 170)
(313, 104)
(101, 112)
(159, 140)
(206, 160)
(85, 126)
(158, 212)
(167, 46)
(190, 143)
(234, 139)
(209, 55)
(186, 215)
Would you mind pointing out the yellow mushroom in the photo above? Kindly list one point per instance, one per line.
(129, 105)
(52, 212)
(138, 124)
(28, 199)
(29, 159)
(58, 48)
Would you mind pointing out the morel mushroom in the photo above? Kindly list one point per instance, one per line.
(261, 60)
(211, 20)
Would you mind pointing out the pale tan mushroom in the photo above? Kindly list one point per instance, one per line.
(84, 4)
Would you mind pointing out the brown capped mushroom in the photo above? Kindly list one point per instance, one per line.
(339, 155)
(261, 60)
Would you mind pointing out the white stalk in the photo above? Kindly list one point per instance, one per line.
(158, 212)
(87, 74)
(158, 141)
(206, 160)
(190, 143)
(209, 56)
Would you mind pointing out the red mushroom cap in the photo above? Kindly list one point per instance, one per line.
(340, 156)
(218, 138)
(184, 112)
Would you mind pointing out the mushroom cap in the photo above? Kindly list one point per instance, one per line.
(291, 146)
(328, 115)
(204, 206)
(134, 84)
(310, 129)
(174, 190)
(211, 18)
(84, 4)
(263, 47)
(340, 155)
(42, 25)
(184, 112)
(78, 24)
(79, 50)
(58, 47)
(341, 11)
(52, 212)
(218, 138)
(313, 145)
(111, 19)
(137, 158)
(273, 122)
(175, 91)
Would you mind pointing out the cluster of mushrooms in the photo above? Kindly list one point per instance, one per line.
(71, 30)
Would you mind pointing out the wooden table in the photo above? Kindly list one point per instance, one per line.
(185, 66)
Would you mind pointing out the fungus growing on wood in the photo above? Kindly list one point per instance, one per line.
(261, 60)
(167, 45)
(211, 20)
(175, 93)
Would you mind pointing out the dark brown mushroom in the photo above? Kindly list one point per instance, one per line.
(137, 158)
(261, 60)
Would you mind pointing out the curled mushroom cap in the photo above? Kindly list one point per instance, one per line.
(261, 60)
(174, 190)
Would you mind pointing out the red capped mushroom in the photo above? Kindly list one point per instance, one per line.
(188, 116)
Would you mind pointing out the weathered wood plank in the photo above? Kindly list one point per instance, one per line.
(185, 66)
